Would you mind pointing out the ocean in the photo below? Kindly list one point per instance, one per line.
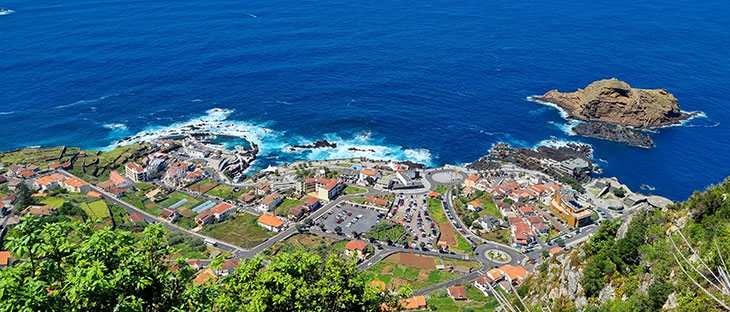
(433, 81)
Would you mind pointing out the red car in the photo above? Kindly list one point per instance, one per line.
(461, 230)
(349, 214)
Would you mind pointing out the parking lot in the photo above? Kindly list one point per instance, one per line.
(350, 218)
(411, 211)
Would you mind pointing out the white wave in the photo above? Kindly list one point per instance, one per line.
(567, 127)
(275, 145)
(214, 120)
(85, 101)
(116, 126)
(563, 113)
(196, 100)
(252, 15)
(7, 113)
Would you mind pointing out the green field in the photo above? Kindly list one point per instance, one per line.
(97, 209)
(173, 198)
(441, 189)
(436, 210)
(323, 246)
(463, 244)
(241, 230)
(354, 190)
(52, 201)
(499, 235)
(440, 301)
(286, 205)
(222, 191)
(385, 231)
(488, 206)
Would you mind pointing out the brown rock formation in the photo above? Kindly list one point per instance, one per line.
(614, 101)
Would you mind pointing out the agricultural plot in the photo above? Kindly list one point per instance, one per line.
(203, 186)
(418, 271)
(241, 230)
(97, 209)
(323, 246)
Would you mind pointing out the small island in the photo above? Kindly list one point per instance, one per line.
(613, 107)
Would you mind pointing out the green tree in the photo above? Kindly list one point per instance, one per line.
(78, 266)
(300, 282)
(23, 198)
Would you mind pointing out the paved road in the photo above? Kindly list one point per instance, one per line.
(154, 219)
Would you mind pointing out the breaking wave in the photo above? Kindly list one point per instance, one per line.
(275, 146)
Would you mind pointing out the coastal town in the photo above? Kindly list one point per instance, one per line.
(459, 236)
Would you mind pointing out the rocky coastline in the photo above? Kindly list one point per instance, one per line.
(612, 102)
(543, 158)
(316, 144)
(616, 133)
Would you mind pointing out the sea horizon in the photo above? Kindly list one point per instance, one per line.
(378, 76)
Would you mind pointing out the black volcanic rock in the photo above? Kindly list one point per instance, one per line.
(616, 133)
(316, 144)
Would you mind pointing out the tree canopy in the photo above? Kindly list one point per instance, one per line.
(80, 266)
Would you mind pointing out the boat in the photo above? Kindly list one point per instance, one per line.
(647, 187)
(6, 11)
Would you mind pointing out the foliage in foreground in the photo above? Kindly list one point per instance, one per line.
(77, 266)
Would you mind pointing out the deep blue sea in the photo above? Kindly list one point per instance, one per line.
(434, 81)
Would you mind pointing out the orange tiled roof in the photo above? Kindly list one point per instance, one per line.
(4, 258)
(472, 177)
(475, 203)
(514, 272)
(369, 172)
(206, 276)
(75, 182)
(270, 220)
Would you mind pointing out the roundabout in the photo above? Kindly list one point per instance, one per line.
(498, 256)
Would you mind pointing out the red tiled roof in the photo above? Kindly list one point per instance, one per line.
(433, 194)
(514, 272)
(135, 167)
(457, 292)
(472, 177)
(203, 216)
(221, 208)
(356, 245)
(136, 217)
(311, 201)
(270, 199)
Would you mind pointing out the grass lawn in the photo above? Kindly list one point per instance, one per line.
(53, 201)
(242, 231)
(499, 235)
(441, 189)
(144, 186)
(323, 246)
(354, 190)
(97, 209)
(222, 191)
(463, 244)
(287, 204)
(440, 301)
(172, 199)
(436, 210)
(488, 206)
(358, 200)
(344, 165)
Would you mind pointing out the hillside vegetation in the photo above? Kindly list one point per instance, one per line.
(672, 259)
